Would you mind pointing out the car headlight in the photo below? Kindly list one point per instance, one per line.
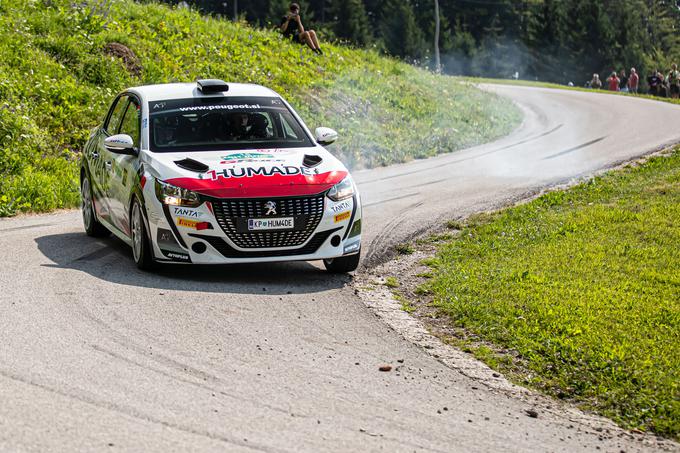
(176, 196)
(342, 190)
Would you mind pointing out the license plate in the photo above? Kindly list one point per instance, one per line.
(284, 223)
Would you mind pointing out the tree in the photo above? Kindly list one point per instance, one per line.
(350, 21)
(437, 24)
(401, 34)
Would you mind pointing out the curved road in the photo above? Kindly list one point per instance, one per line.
(96, 355)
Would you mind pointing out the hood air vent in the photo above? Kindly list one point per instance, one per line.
(192, 165)
(311, 161)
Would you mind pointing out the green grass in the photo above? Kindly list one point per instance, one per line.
(392, 282)
(578, 293)
(404, 249)
(56, 83)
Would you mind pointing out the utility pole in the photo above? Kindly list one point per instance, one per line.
(235, 10)
(437, 60)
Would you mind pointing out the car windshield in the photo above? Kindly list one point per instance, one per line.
(223, 123)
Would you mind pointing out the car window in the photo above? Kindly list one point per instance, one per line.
(288, 129)
(111, 126)
(131, 122)
(223, 123)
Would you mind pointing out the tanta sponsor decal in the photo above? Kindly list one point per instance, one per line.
(184, 212)
(342, 217)
(341, 206)
(250, 172)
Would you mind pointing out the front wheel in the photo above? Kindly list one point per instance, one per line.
(141, 245)
(343, 264)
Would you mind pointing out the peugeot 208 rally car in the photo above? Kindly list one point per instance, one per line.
(212, 173)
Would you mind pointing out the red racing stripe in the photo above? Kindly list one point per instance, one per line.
(261, 186)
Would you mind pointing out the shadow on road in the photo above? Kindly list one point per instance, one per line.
(109, 259)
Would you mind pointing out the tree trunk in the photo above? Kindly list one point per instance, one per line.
(437, 61)
(235, 10)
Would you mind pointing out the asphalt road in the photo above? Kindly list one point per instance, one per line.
(98, 356)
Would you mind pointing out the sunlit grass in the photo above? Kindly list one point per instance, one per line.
(579, 291)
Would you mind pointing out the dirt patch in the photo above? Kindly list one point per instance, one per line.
(128, 57)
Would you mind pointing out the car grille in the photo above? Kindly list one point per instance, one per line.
(307, 211)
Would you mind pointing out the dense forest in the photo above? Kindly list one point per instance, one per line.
(550, 40)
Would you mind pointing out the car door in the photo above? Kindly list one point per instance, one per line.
(123, 167)
(100, 159)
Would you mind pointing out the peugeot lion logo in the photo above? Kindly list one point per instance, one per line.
(270, 206)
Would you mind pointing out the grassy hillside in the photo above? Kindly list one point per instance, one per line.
(56, 81)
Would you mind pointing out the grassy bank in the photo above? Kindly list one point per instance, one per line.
(57, 79)
(577, 293)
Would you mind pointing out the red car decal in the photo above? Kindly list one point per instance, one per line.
(276, 185)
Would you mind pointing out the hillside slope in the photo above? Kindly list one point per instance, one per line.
(57, 78)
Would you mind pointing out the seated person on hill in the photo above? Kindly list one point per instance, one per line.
(291, 27)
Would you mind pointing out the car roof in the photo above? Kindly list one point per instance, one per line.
(169, 91)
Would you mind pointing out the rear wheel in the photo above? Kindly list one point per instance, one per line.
(92, 226)
(141, 245)
(343, 264)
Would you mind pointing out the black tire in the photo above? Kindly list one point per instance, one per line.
(343, 264)
(141, 244)
(92, 226)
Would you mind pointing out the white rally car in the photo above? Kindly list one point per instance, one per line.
(216, 173)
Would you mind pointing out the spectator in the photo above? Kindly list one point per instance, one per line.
(653, 81)
(623, 81)
(291, 27)
(613, 81)
(674, 81)
(662, 87)
(596, 83)
(633, 81)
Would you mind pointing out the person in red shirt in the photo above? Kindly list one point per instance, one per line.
(613, 82)
(633, 81)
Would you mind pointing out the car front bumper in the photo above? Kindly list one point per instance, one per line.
(215, 233)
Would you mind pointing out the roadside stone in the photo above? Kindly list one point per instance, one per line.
(385, 368)
(531, 413)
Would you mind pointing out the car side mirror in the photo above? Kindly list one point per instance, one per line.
(120, 144)
(325, 136)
